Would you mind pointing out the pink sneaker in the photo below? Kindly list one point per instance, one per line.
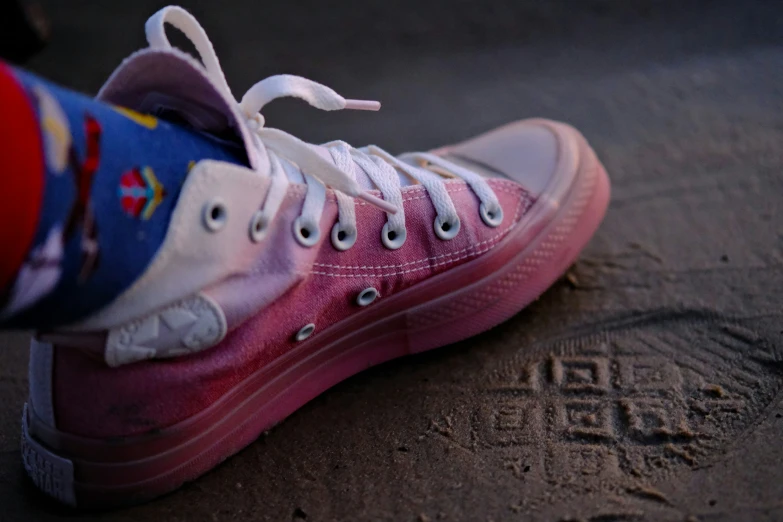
(270, 287)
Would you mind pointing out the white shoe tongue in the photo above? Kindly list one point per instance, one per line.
(168, 83)
(362, 178)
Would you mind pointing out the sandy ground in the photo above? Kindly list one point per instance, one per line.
(644, 386)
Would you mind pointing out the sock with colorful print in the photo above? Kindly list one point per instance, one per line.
(90, 189)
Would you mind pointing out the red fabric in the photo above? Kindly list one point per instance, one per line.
(22, 175)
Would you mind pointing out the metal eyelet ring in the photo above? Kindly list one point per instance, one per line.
(392, 239)
(342, 240)
(258, 224)
(306, 234)
(306, 331)
(366, 296)
(446, 229)
(492, 218)
(215, 215)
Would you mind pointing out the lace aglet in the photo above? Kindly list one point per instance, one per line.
(378, 202)
(363, 105)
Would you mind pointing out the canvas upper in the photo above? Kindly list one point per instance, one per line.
(218, 301)
(278, 268)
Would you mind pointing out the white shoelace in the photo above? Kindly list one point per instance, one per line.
(291, 159)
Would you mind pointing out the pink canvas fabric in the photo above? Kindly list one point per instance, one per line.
(94, 400)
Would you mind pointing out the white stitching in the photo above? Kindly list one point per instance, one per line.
(423, 260)
(513, 189)
(329, 274)
(426, 259)
(520, 204)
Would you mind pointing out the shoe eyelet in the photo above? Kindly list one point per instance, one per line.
(306, 234)
(446, 229)
(342, 240)
(491, 217)
(306, 331)
(366, 296)
(258, 224)
(215, 215)
(392, 239)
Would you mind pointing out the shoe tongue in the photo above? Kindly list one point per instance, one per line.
(173, 86)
